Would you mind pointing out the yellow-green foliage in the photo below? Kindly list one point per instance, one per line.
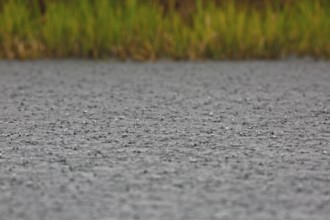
(131, 29)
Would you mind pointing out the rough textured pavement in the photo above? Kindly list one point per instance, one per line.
(106, 140)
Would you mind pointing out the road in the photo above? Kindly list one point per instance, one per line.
(108, 140)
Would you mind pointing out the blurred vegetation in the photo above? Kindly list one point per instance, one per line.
(176, 29)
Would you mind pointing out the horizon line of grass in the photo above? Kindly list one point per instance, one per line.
(141, 31)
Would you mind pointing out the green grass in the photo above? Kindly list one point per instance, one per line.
(135, 30)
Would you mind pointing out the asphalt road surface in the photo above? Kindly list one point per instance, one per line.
(82, 140)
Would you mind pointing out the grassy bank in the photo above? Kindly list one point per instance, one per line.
(131, 29)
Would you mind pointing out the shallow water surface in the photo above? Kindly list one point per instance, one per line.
(107, 140)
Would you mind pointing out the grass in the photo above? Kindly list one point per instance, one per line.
(141, 31)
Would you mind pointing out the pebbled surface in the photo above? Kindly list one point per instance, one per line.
(106, 140)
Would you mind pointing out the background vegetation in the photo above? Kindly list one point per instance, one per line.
(176, 29)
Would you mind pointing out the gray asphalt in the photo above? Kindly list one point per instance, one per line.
(209, 140)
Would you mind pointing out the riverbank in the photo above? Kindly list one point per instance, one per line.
(143, 31)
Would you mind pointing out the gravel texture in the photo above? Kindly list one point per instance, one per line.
(108, 140)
